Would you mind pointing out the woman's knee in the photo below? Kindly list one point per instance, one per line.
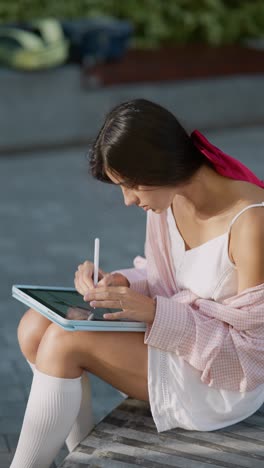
(58, 352)
(31, 329)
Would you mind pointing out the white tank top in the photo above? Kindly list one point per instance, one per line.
(207, 269)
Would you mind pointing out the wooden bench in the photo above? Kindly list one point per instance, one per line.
(127, 437)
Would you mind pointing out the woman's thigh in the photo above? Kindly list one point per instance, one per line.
(119, 358)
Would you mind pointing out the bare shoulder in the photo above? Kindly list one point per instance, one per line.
(248, 247)
(248, 226)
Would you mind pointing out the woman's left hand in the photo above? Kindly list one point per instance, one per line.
(134, 306)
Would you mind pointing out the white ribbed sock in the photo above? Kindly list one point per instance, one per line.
(52, 408)
(84, 422)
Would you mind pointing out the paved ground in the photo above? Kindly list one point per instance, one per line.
(51, 210)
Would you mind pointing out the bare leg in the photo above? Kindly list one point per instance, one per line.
(54, 401)
(30, 332)
(119, 358)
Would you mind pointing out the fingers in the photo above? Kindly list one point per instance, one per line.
(80, 285)
(101, 274)
(116, 315)
(106, 304)
(83, 280)
(112, 293)
(107, 280)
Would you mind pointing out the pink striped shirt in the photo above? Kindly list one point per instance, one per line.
(224, 340)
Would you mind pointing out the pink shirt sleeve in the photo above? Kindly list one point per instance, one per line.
(220, 340)
(178, 327)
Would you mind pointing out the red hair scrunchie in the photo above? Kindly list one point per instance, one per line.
(223, 163)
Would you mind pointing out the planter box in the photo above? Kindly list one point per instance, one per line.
(206, 88)
(194, 61)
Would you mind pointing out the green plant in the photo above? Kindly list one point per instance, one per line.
(156, 21)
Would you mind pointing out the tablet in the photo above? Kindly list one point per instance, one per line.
(66, 307)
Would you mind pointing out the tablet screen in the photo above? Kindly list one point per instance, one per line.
(68, 304)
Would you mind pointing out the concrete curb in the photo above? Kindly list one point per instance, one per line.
(52, 108)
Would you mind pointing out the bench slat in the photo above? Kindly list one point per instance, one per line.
(127, 437)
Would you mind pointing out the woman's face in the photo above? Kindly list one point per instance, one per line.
(153, 198)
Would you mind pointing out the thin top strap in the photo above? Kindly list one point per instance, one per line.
(242, 211)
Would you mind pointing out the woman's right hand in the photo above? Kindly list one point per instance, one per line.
(83, 280)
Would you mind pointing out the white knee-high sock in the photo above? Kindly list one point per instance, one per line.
(84, 422)
(52, 408)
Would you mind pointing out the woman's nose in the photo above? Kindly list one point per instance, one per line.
(130, 198)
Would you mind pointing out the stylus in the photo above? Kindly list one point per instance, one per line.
(96, 260)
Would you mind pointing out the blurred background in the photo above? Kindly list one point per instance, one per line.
(63, 66)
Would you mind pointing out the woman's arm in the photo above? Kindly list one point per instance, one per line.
(248, 250)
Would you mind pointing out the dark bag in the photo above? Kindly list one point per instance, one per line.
(95, 40)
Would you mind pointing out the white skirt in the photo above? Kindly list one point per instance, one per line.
(178, 398)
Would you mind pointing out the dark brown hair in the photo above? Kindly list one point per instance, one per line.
(146, 145)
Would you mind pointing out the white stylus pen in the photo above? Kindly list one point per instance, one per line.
(96, 260)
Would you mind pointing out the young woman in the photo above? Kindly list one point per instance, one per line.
(200, 291)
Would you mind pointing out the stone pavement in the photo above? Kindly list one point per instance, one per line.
(50, 213)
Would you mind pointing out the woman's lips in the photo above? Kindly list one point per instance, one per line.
(144, 207)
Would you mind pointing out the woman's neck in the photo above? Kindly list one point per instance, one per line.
(210, 194)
